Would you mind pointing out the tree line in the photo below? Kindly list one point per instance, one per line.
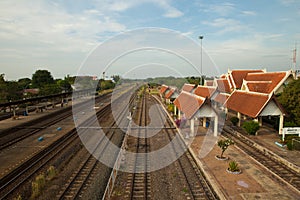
(42, 83)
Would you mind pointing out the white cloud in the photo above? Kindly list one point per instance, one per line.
(221, 9)
(226, 25)
(287, 2)
(249, 13)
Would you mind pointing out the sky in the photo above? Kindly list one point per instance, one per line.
(61, 35)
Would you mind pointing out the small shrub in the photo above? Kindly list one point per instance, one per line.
(251, 127)
(51, 172)
(233, 166)
(19, 197)
(289, 145)
(224, 144)
(171, 108)
(290, 124)
(37, 185)
(234, 120)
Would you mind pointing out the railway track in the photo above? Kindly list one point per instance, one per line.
(74, 188)
(19, 133)
(139, 184)
(24, 172)
(281, 172)
(194, 178)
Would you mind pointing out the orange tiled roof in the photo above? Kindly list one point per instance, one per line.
(204, 91)
(188, 103)
(223, 85)
(247, 103)
(170, 93)
(239, 75)
(221, 97)
(163, 89)
(264, 82)
(188, 87)
(209, 83)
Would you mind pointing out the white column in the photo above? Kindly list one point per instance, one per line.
(204, 122)
(192, 122)
(260, 120)
(175, 110)
(281, 119)
(179, 114)
(14, 110)
(239, 117)
(216, 126)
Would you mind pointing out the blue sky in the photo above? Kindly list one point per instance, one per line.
(58, 35)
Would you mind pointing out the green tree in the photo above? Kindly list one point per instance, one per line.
(64, 85)
(13, 91)
(2, 88)
(224, 144)
(49, 89)
(116, 78)
(41, 78)
(251, 127)
(24, 83)
(290, 99)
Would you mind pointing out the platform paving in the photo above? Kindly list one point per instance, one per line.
(253, 183)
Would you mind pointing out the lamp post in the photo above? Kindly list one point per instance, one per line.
(201, 38)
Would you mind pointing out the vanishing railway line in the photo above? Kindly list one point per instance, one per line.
(13, 180)
(277, 168)
(197, 183)
(74, 188)
(141, 185)
(25, 172)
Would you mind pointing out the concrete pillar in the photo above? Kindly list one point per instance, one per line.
(239, 117)
(179, 114)
(260, 120)
(192, 122)
(281, 119)
(14, 110)
(175, 110)
(245, 117)
(204, 122)
(216, 126)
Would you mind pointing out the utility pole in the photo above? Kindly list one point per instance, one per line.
(201, 38)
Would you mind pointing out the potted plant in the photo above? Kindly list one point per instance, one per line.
(233, 168)
(224, 144)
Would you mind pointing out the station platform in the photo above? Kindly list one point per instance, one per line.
(11, 122)
(254, 181)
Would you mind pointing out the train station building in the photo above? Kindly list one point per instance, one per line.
(246, 94)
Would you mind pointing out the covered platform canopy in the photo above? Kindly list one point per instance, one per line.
(193, 106)
(255, 105)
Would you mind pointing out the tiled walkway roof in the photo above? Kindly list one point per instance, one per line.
(264, 82)
(163, 89)
(223, 86)
(188, 103)
(247, 103)
(188, 87)
(239, 75)
(204, 91)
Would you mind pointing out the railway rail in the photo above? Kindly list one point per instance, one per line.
(14, 179)
(74, 188)
(282, 172)
(141, 185)
(197, 183)
(19, 133)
